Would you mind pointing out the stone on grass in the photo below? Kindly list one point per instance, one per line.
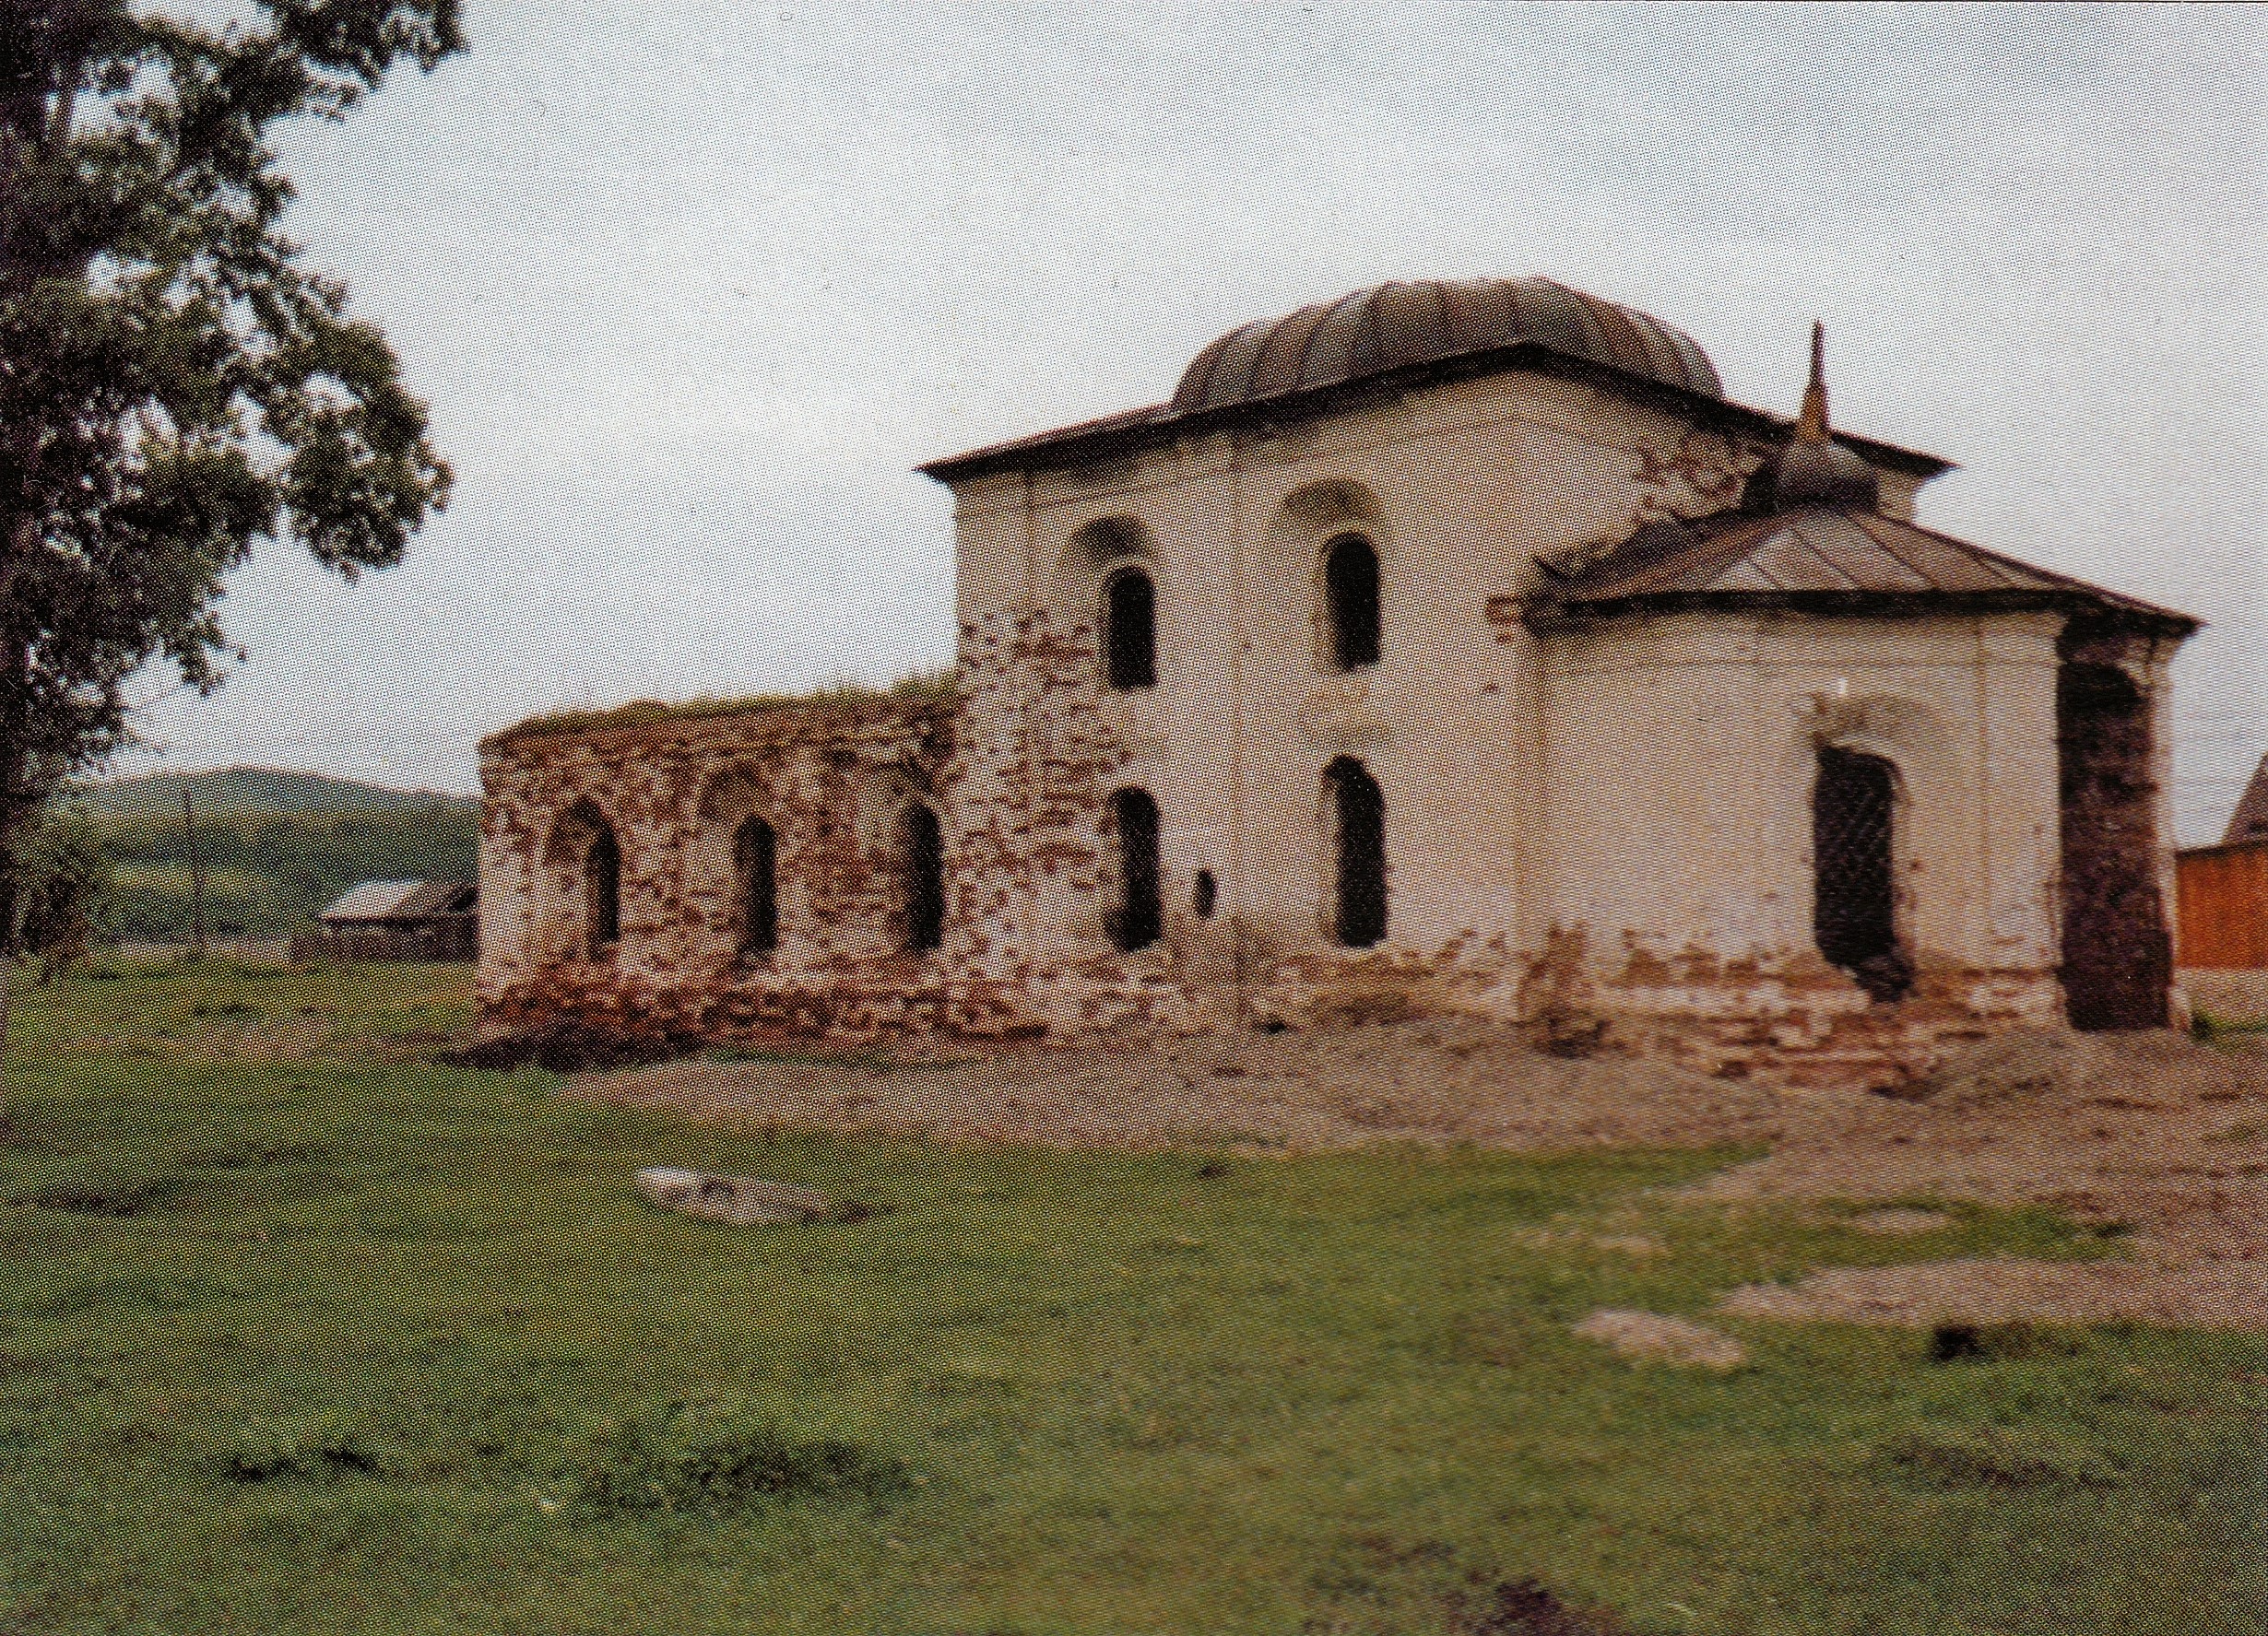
(1662, 1339)
(740, 1200)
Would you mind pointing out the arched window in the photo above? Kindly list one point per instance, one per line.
(755, 857)
(602, 892)
(1351, 590)
(1139, 915)
(924, 879)
(1854, 904)
(1358, 815)
(1130, 630)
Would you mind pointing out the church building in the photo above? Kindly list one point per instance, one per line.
(1450, 647)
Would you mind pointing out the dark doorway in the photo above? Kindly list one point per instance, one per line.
(1350, 583)
(1139, 916)
(1131, 641)
(1359, 823)
(1854, 859)
(755, 856)
(924, 879)
(2118, 952)
(602, 892)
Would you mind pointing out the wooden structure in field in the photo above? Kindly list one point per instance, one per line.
(396, 919)
(2224, 891)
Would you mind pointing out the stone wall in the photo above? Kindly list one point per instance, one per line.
(833, 781)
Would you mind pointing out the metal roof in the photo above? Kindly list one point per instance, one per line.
(1818, 556)
(2250, 822)
(1396, 337)
(1395, 326)
(400, 900)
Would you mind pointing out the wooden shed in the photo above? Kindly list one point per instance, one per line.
(396, 919)
(2224, 891)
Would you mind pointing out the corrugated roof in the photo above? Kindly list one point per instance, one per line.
(400, 900)
(1808, 555)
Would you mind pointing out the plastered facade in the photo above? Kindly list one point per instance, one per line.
(1598, 827)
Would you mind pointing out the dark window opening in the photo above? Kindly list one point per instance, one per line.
(1359, 814)
(2118, 950)
(1854, 907)
(755, 856)
(1206, 894)
(1131, 634)
(602, 891)
(1351, 584)
(924, 885)
(1139, 916)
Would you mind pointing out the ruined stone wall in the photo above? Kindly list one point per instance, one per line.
(833, 782)
(2118, 892)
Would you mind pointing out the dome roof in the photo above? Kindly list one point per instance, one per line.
(1814, 469)
(1373, 331)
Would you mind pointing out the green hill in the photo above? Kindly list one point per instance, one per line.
(252, 789)
(276, 846)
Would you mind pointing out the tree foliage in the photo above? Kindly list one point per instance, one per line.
(174, 383)
(54, 888)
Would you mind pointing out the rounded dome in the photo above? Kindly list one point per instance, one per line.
(1396, 324)
(1818, 472)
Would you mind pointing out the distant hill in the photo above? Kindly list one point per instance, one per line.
(275, 846)
(253, 789)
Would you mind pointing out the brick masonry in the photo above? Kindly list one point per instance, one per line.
(1600, 831)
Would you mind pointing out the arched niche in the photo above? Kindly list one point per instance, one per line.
(579, 898)
(1107, 580)
(1310, 540)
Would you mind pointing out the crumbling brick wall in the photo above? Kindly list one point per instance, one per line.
(833, 781)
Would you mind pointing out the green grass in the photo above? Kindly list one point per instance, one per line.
(920, 687)
(299, 1332)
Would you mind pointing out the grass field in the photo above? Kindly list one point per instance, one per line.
(299, 1332)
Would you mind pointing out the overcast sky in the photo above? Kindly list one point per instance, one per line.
(692, 288)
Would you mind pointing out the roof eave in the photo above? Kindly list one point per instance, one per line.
(1135, 430)
(1553, 612)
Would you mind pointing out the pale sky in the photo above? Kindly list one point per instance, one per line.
(692, 288)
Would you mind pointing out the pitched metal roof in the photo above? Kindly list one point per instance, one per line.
(400, 900)
(1822, 557)
(2250, 822)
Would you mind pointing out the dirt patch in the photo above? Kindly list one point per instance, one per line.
(2157, 1289)
(1653, 1337)
(1435, 1082)
(2153, 1138)
(2146, 1136)
(1524, 1607)
(1896, 1223)
(567, 1049)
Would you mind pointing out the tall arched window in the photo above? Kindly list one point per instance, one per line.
(602, 892)
(755, 857)
(1351, 590)
(924, 879)
(1358, 825)
(1139, 915)
(1854, 904)
(1130, 630)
